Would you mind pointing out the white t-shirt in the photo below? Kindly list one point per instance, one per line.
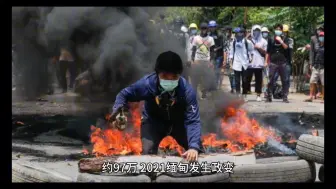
(240, 55)
(203, 45)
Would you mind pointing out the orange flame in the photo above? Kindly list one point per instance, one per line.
(241, 133)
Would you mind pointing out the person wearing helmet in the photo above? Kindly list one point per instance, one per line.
(317, 68)
(265, 33)
(170, 107)
(218, 52)
(290, 55)
(257, 65)
(201, 56)
(240, 58)
(227, 43)
(277, 51)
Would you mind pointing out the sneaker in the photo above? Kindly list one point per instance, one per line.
(268, 100)
(258, 99)
(285, 100)
(245, 98)
(203, 96)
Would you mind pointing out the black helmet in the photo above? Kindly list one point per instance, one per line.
(204, 25)
(169, 62)
(162, 16)
(178, 20)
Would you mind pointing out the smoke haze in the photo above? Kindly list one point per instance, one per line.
(120, 39)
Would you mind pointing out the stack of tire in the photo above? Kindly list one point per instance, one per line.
(301, 168)
(311, 148)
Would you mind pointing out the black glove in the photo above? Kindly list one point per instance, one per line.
(118, 119)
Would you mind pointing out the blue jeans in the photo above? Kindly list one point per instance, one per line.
(218, 66)
(288, 74)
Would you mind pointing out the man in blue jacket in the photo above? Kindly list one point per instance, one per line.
(170, 107)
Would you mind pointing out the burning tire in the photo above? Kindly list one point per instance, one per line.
(219, 177)
(321, 173)
(86, 177)
(311, 148)
(291, 171)
(24, 172)
(277, 159)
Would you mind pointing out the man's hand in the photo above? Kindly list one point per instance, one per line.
(307, 47)
(117, 119)
(265, 64)
(224, 63)
(191, 155)
(279, 39)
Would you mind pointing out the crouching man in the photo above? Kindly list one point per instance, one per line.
(170, 107)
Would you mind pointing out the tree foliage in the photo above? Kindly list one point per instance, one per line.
(302, 20)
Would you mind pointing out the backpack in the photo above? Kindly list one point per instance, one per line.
(234, 49)
(277, 93)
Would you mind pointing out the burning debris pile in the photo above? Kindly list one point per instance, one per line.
(238, 133)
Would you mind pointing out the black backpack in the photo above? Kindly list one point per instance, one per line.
(234, 49)
(277, 93)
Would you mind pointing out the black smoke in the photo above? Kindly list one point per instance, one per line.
(119, 39)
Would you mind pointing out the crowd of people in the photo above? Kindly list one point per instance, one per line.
(213, 52)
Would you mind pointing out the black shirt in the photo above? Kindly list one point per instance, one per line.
(218, 39)
(319, 57)
(277, 53)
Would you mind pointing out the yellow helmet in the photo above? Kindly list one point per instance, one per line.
(193, 25)
(285, 28)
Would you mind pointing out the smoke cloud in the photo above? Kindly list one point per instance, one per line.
(120, 39)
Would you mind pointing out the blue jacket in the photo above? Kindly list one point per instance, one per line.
(185, 111)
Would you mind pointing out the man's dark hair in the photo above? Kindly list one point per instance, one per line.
(278, 26)
(229, 28)
(169, 62)
(203, 25)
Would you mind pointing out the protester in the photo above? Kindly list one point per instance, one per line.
(240, 58)
(290, 56)
(313, 45)
(67, 62)
(171, 107)
(317, 67)
(218, 55)
(192, 33)
(256, 67)
(227, 43)
(202, 55)
(277, 51)
(265, 33)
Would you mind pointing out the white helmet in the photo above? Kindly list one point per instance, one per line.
(264, 29)
(184, 29)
